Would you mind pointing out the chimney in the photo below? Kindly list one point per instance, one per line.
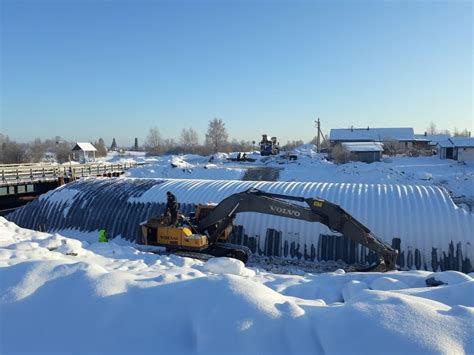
(426, 133)
(367, 127)
(352, 128)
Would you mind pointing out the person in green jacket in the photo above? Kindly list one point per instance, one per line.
(103, 236)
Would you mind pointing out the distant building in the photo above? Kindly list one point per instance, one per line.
(368, 152)
(84, 152)
(403, 138)
(429, 141)
(457, 148)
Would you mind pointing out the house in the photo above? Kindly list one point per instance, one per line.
(429, 141)
(84, 152)
(457, 148)
(368, 152)
(401, 138)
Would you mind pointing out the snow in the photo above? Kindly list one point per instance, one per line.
(61, 195)
(363, 146)
(227, 266)
(185, 167)
(372, 134)
(85, 146)
(462, 142)
(68, 293)
(457, 178)
(59, 294)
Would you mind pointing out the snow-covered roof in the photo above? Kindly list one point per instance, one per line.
(371, 134)
(446, 144)
(363, 146)
(458, 142)
(84, 146)
(463, 142)
(432, 138)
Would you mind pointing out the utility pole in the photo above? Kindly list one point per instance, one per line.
(318, 142)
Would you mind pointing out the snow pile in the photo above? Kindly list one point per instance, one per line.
(107, 298)
(227, 266)
(187, 167)
(306, 150)
(177, 162)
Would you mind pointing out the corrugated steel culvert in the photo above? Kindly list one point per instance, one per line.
(430, 231)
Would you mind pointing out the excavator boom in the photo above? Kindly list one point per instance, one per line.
(317, 210)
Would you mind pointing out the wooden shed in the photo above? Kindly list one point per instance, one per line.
(84, 152)
(367, 152)
(457, 148)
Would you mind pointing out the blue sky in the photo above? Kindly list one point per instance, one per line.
(88, 69)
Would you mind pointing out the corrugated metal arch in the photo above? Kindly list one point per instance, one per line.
(424, 218)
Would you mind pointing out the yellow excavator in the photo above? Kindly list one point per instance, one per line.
(208, 231)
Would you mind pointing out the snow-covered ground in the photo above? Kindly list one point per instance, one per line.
(74, 295)
(456, 177)
(64, 295)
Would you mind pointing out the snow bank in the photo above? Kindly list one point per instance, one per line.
(108, 298)
(227, 266)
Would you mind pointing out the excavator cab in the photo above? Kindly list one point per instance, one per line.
(204, 210)
(158, 231)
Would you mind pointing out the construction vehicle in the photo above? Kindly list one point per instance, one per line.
(269, 146)
(209, 230)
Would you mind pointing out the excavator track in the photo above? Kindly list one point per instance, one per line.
(272, 264)
(236, 251)
(239, 252)
(185, 254)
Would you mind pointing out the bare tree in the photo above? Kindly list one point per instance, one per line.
(431, 129)
(63, 151)
(13, 153)
(340, 155)
(154, 142)
(101, 149)
(240, 146)
(189, 140)
(463, 133)
(391, 146)
(170, 146)
(2, 143)
(216, 136)
(292, 145)
(36, 151)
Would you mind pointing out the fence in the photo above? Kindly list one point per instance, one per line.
(12, 174)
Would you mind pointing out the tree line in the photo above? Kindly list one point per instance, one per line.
(432, 129)
(57, 149)
(215, 140)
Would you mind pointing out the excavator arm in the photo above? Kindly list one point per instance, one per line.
(317, 210)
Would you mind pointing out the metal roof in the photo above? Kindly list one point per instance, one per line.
(458, 142)
(446, 144)
(84, 146)
(371, 134)
(431, 138)
(462, 142)
(423, 217)
(363, 146)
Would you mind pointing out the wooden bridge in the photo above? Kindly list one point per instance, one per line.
(14, 174)
(21, 183)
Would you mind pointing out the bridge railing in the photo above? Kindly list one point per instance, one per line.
(19, 173)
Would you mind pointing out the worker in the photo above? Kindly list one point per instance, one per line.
(172, 207)
(103, 236)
